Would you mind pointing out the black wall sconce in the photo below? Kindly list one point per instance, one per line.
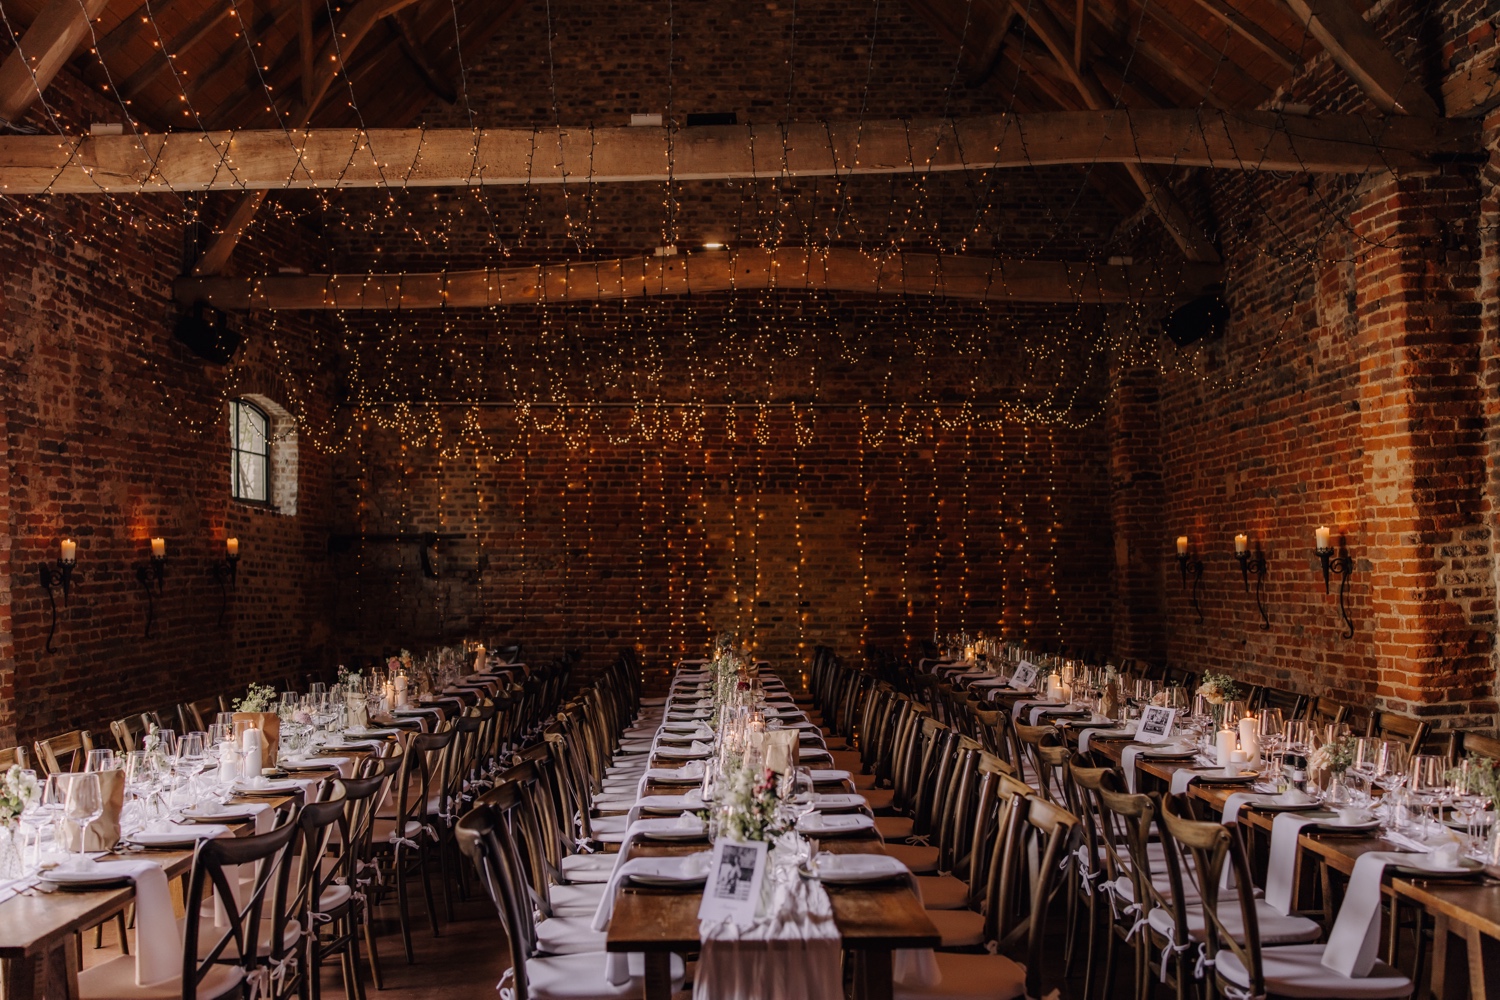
(156, 570)
(1186, 562)
(226, 574)
(1339, 562)
(61, 577)
(1253, 563)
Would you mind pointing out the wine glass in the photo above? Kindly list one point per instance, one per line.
(1298, 739)
(1428, 776)
(101, 760)
(1467, 802)
(82, 805)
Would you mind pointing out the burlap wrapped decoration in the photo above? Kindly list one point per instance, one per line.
(269, 724)
(103, 833)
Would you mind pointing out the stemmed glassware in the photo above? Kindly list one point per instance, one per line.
(1429, 785)
(82, 804)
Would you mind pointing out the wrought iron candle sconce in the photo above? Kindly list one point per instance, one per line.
(1253, 563)
(1189, 563)
(155, 570)
(226, 574)
(1340, 562)
(62, 577)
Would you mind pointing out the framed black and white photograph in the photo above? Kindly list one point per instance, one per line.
(1156, 724)
(735, 874)
(1024, 677)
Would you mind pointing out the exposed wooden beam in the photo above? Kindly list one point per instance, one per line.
(415, 52)
(1253, 33)
(1215, 57)
(305, 48)
(54, 35)
(351, 158)
(130, 25)
(160, 62)
(1180, 226)
(956, 276)
(342, 43)
(1353, 44)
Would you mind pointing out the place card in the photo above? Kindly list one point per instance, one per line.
(1024, 677)
(734, 876)
(1156, 724)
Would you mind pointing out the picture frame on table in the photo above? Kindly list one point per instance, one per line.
(735, 874)
(1024, 677)
(1156, 724)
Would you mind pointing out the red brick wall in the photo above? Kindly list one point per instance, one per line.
(846, 536)
(114, 433)
(1347, 392)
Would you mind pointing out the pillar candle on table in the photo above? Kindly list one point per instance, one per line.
(1224, 745)
(1250, 737)
(253, 744)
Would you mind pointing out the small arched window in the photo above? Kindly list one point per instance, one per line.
(250, 452)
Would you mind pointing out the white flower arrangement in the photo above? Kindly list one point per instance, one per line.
(17, 791)
(1218, 688)
(258, 698)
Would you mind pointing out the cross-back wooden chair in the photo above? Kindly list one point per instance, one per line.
(1401, 728)
(14, 757)
(1480, 745)
(1323, 712)
(1291, 704)
(127, 734)
(67, 752)
(1242, 962)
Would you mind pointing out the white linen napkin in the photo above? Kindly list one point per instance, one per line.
(158, 939)
(692, 769)
(685, 867)
(1355, 936)
(1127, 763)
(1285, 829)
(791, 953)
(1182, 778)
(633, 833)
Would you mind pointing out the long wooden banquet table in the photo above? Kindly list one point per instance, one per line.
(873, 919)
(1466, 913)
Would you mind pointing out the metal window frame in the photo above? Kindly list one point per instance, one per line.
(236, 449)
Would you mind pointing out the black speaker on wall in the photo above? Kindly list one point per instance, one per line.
(1202, 318)
(205, 331)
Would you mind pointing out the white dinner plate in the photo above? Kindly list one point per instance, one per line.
(85, 879)
(821, 825)
(676, 833)
(673, 873)
(281, 787)
(852, 869)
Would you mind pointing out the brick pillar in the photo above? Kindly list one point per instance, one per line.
(1424, 604)
(1136, 501)
(7, 645)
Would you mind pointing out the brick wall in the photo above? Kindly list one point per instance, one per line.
(115, 433)
(1352, 389)
(848, 533)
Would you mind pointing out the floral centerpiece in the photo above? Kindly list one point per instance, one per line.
(1218, 688)
(1481, 778)
(258, 708)
(258, 698)
(749, 805)
(17, 791)
(1332, 758)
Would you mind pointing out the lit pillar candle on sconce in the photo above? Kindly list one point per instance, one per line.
(60, 577)
(1253, 562)
(1185, 562)
(156, 570)
(226, 574)
(1339, 562)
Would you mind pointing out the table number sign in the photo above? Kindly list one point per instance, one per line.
(735, 873)
(1024, 677)
(1156, 724)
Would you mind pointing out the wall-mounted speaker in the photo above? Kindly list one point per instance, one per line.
(1202, 318)
(205, 331)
